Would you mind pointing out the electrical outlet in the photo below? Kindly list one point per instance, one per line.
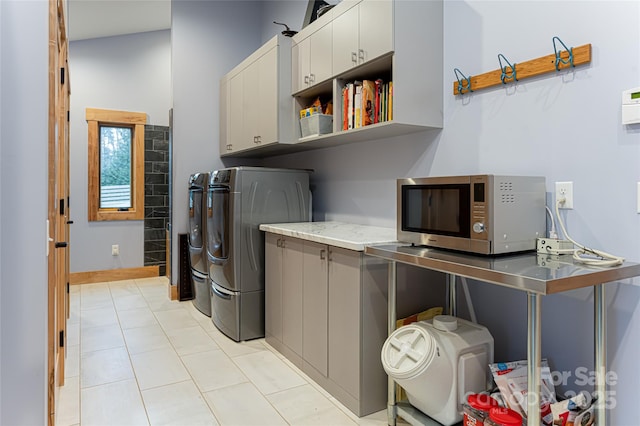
(115, 250)
(564, 190)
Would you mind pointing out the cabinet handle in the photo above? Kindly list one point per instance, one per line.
(330, 255)
(312, 78)
(354, 57)
(278, 242)
(259, 139)
(361, 55)
(322, 252)
(306, 79)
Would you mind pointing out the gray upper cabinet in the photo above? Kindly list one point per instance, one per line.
(311, 57)
(255, 101)
(396, 41)
(362, 32)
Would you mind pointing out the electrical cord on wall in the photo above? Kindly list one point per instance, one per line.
(604, 258)
(552, 231)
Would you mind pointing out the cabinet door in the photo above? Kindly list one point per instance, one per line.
(234, 120)
(250, 104)
(376, 29)
(224, 115)
(314, 322)
(267, 99)
(320, 55)
(273, 286)
(292, 293)
(345, 41)
(344, 319)
(300, 61)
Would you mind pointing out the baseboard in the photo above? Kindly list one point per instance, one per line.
(91, 277)
(173, 292)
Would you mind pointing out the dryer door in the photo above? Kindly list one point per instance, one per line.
(219, 222)
(196, 231)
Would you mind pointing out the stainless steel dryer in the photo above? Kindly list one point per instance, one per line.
(239, 200)
(197, 241)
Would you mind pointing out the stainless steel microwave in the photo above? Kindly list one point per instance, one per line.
(484, 214)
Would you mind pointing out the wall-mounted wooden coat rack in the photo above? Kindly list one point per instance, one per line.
(557, 61)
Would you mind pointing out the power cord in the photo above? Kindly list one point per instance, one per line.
(604, 259)
(552, 232)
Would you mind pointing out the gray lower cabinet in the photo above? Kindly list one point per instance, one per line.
(343, 309)
(283, 295)
(314, 306)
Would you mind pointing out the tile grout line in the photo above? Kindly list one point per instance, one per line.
(192, 379)
(133, 370)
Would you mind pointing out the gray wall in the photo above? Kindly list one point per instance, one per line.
(209, 38)
(23, 185)
(130, 73)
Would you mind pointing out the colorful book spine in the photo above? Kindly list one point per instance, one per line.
(350, 93)
(390, 113)
(368, 100)
(345, 108)
(378, 89)
(358, 106)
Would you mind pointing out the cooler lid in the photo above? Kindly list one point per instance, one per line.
(407, 350)
(445, 323)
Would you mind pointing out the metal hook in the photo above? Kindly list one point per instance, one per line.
(288, 32)
(504, 76)
(559, 59)
(462, 87)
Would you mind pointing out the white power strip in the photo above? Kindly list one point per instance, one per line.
(554, 246)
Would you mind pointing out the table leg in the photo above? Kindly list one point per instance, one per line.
(453, 306)
(534, 359)
(391, 327)
(600, 340)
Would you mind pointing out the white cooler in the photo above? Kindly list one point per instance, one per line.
(438, 362)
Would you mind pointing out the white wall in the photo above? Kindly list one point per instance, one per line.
(563, 126)
(209, 38)
(23, 185)
(130, 73)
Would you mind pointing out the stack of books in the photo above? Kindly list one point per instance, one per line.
(366, 102)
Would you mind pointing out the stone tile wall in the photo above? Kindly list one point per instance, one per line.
(156, 194)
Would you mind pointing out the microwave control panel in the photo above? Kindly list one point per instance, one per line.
(479, 207)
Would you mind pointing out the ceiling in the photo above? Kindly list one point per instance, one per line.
(104, 18)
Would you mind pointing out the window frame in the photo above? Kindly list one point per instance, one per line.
(136, 120)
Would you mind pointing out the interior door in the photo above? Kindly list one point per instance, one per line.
(62, 222)
(58, 203)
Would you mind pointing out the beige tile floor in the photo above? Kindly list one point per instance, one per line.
(134, 357)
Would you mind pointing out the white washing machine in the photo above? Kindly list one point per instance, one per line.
(438, 362)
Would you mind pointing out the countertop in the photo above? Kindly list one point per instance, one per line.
(531, 272)
(345, 235)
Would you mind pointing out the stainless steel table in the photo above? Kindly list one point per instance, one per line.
(538, 275)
